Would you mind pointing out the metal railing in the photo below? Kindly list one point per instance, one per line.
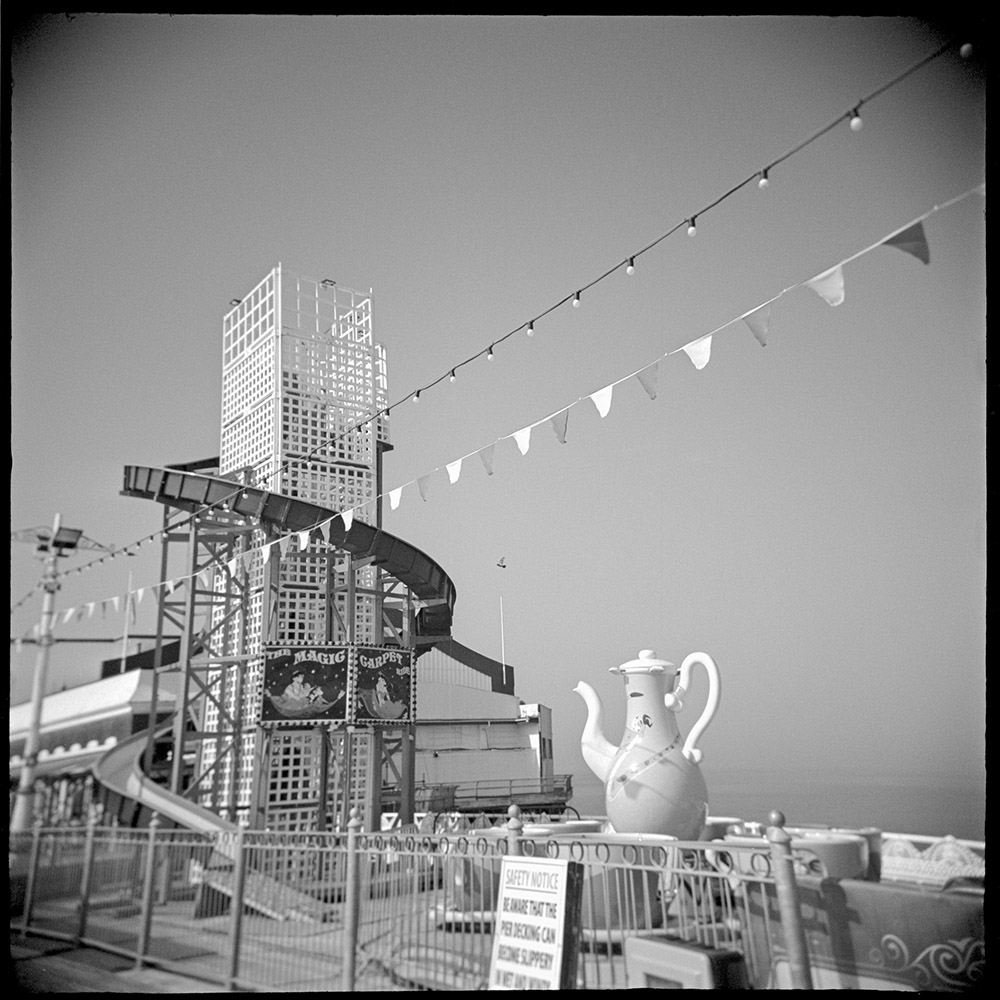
(384, 911)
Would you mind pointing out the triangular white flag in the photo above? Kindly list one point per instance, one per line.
(283, 545)
(912, 241)
(602, 400)
(699, 351)
(170, 585)
(486, 456)
(394, 496)
(758, 321)
(205, 576)
(324, 530)
(248, 559)
(647, 379)
(90, 609)
(559, 422)
(304, 540)
(523, 439)
(348, 516)
(115, 601)
(139, 595)
(265, 553)
(829, 285)
(232, 565)
(422, 484)
(454, 471)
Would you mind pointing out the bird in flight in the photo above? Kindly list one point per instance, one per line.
(503, 562)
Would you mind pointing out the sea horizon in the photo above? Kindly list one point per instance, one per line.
(934, 806)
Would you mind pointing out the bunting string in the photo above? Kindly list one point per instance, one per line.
(828, 284)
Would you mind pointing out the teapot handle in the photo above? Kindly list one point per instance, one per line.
(714, 691)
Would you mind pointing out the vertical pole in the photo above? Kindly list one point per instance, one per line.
(88, 866)
(788, 902)
(236, 912)
(352, 901)
(515, 848)
(29, 884)
(158, 648)
(25, 801)
(180, 721)
(148, 880)
(408, 765)
(503, 650)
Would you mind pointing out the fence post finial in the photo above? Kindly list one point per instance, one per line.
(788, 901)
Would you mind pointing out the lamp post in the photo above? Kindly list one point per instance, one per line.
(61, 542)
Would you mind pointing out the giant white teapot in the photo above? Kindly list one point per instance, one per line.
(652, 782)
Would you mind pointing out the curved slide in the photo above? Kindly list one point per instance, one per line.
(120, 769)
(180, 487)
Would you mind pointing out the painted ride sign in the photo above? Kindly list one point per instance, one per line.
(536, 936)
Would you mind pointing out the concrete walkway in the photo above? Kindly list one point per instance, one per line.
(45, 966)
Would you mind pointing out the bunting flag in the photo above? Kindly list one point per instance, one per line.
(647, 379)
(829, 285)
(559, 422)
(265, 552)
(602, 400)
(699, 351)
(523, 439)
(911, 241)
(758, 321)
(248, 555)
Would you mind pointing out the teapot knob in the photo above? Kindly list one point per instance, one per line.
(647, 654)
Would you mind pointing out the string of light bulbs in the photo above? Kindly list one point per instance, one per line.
(909, 238)
(762, 176)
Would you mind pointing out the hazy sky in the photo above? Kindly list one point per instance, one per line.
(811, 514)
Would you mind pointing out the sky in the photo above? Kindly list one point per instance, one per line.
(811, 514)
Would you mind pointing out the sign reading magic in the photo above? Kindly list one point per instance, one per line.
(367, 685)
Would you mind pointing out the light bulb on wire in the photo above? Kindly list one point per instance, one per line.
(416, 396)
(693, 228)
(630, 269)
(452, 376)
(489, 353)
(576, 301)
(531, 328)
(856, 122)
(763, 182)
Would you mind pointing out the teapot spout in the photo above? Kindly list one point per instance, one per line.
(598, 752)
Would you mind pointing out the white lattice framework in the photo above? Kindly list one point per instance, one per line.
(301, 381)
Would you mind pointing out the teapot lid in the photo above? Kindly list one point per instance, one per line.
(646, 663)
